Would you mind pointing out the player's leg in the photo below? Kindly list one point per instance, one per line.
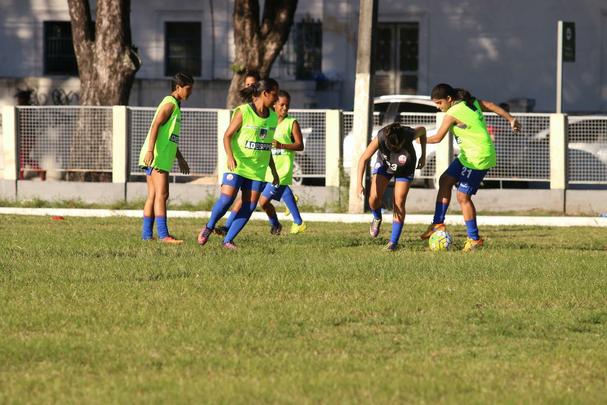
(147, 232)
(443, 197)
(251, 191)
(222, 230)
(379, 183)
(230, 185)
(161, 195)
(265, 201)
(401, 190)
(290, 200)
(469, 185)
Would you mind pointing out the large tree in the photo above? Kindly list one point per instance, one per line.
(258, 43)
(107, 60)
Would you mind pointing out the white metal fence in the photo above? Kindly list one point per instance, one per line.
(79, 139)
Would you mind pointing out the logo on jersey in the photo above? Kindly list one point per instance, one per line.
(402, 159)
(174, 138)
(263, 132)
(258, 145)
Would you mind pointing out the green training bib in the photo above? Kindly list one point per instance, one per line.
(476, 147)
(283, 158)
(167, 139)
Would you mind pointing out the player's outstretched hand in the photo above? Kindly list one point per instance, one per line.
(516, 125)
(421, 162)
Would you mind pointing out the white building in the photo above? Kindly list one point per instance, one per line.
(498, 50)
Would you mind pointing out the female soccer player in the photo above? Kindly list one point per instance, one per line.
(157, 156)
(464, 117)
(396, 158)
(287, 140)
(248, 143)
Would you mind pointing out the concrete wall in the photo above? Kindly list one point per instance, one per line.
(572, 202)
(499, 50)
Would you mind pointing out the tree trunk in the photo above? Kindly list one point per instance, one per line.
(107, 64)
(257, 46)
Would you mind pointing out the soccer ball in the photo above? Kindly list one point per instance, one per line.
(440, 240)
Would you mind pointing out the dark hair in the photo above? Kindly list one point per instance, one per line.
(394, 136)
(285, 94)
(256, 89)
(182, 79)
(442, 91)
(252, 73)
(466, 97)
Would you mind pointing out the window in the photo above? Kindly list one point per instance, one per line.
(183, 48)
(301, 56)
(59, 55)
(397, 58)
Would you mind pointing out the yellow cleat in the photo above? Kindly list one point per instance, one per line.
(287, 212)
(472, 245)
(431, 229)
(298, 228)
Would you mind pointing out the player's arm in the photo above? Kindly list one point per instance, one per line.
(272, 165)
(489, 106)
(183, 164)
(448, 122)
(297, 144)
(161, 118)
(234, 126)
(362, 164)
(420, 134)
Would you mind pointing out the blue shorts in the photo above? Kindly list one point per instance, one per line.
(242, 183)
(468, 180)
(382, 169)
(272, 192)
(148, 170)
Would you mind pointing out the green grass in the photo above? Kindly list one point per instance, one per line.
(90, 314)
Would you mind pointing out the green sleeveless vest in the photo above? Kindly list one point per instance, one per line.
(252, 144)
(476, 147)
(167, 139)
(283, 158)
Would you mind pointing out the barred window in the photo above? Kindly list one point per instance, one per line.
(301, 56)
(59, 55)
(183, 48)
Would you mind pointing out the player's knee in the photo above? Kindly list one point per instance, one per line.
(463, 198)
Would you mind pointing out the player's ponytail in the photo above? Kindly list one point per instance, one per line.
(394, 136)
(465, 96)
(256, 89)
(442, 91)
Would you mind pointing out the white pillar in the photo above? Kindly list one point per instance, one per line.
(558, 151)
(333, 136)
(120, 150)
(9, 139)
(444, 151)
(223, 121)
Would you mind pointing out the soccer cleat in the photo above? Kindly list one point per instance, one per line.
(374, 228)
(229, 246)
(431, 229)
(472, 245)
(171, 240)
(276, 230)
(391, 246)
(287, 211)
(298, 228)
(204, 234)
(221, 230)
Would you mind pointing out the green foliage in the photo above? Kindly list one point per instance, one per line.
(91, 314)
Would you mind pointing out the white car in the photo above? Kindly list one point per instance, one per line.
(388, 109)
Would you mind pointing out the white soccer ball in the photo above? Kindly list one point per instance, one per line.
(439, 241)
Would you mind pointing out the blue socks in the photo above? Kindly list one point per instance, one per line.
(472, 229)
(219, 209)
(376, 213)
(289, 200)
(274, 221)
(148, 228)
(161, 227)
(440, 211)
(231, 218)
(397, 228)
(240, 220)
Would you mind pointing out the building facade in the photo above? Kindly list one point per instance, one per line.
(503, 51)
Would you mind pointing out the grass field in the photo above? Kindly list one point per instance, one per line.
(90, 314)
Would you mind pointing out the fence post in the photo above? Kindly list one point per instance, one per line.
(120, 150)
(444, 151)
(11, 162)
(223, 121)
(333, 136)
(558, 152)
